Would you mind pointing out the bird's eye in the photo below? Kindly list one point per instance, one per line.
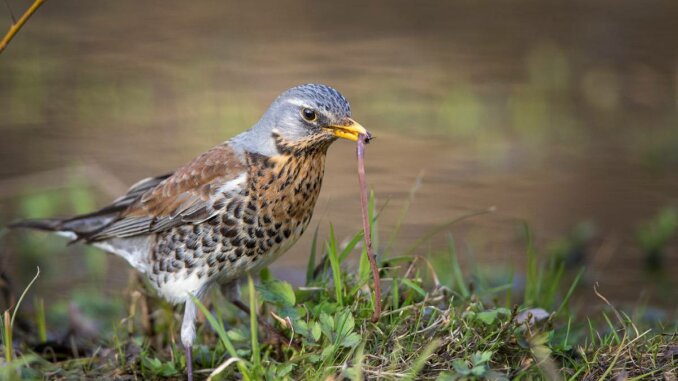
(309, 114)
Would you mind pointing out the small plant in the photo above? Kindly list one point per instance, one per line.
(13, 364)
(158, 368)
(571, 249)
(476, 368)
(654, 235)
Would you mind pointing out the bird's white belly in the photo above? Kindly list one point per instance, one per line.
(179, 286)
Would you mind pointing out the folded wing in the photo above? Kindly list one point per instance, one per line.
(187, 196)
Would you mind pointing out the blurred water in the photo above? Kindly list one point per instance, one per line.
(553, 113)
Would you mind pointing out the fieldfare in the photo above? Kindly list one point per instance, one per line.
(230, 211)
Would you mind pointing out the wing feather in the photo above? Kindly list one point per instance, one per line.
(187, 196)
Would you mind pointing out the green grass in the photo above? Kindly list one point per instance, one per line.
(444, 331)
(438, 323)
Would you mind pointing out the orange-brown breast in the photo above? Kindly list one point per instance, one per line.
(287, 189)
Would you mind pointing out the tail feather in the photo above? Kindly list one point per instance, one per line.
(134, 249)
(47, 224)
(74, 228)
(84, 226)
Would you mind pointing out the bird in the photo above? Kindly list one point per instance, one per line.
(230, 211)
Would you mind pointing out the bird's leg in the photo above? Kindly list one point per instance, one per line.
(189, 363)
(188, 335)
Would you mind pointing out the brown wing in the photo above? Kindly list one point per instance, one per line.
(187, 196)
(85, 224)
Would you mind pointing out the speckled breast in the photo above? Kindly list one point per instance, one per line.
(259, 223)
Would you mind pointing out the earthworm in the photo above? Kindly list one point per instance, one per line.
(360, 151)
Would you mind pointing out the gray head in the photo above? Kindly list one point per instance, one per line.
(306, 114)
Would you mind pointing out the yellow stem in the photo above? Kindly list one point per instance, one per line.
(14, 29)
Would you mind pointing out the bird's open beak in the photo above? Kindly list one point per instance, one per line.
(349, 130)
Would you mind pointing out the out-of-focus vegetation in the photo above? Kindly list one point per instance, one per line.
(654, 235)
(46, 252)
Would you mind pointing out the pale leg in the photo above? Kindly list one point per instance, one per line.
(188, 335)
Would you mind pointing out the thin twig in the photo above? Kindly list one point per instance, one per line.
(14, 29)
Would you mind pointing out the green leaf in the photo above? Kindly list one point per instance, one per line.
(351, 340)
(236, 335)
(479, 358)
(488, 317)
(327, 351)
(478, 370)
(461, 367)
(327, 325)
(277, 292)
(492, 375)
(285, 369)
(447, 377)
(344, 323)
(316, 331)
(265, 275)
(541, 338)
(301, 327)
(414, 286)
(159, 368)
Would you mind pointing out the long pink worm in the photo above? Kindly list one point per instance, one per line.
(360, 151)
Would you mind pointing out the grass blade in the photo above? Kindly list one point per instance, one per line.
(254, 326)
(310, 268)
(421, 360)
(40, 319)
(350, 246)
(23, 294)
(336, 268)
(7, 337)
(456, 268)
(574, 284)
(532, 282)
(223, 337)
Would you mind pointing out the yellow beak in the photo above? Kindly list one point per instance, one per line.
(350, 130)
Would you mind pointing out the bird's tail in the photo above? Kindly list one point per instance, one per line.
(47, 224)
(73, 228)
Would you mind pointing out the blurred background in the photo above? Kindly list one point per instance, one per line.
(563, 116)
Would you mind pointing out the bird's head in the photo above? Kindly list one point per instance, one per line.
(307, 115)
